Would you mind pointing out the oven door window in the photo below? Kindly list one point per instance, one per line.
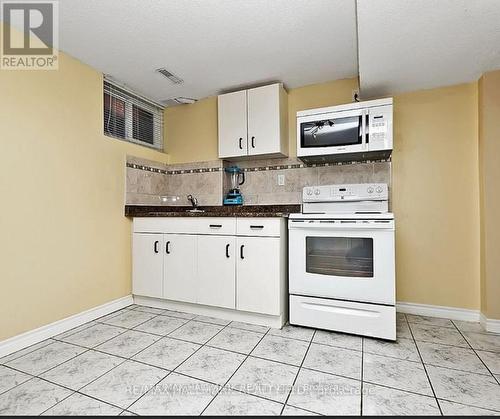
(331, 132)
(340, 256)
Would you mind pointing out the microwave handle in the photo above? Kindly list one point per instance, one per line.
(364, 120)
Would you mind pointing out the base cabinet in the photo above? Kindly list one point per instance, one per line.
(216, 265)
(147, 264)
(257, 267)
(179, 267)
(237, 264)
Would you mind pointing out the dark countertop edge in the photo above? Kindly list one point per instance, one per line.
(215, 211)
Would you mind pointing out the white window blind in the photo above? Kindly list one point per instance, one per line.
(132, 118)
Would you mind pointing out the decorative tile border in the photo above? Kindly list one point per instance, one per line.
(308, 165)
(200, 170)
(253, 169)
(146, 168)
(174, 172)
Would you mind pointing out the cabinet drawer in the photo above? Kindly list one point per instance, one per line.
(179, 225)
(225, 226)
(260, 227)
(344, 316)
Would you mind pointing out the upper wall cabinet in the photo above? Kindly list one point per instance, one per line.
(253, 122)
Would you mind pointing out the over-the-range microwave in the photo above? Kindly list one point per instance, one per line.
(355, 131)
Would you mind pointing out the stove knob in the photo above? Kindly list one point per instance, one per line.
(309, 191)
(316, 192)
(370, 190)
(379, 189)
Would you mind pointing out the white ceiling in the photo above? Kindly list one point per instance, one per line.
(406, 45)
(214, 45)
(219, 45)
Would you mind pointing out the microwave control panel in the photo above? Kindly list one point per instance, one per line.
(348, 192)
(379, 127)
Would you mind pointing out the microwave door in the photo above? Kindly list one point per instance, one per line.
(332, 132)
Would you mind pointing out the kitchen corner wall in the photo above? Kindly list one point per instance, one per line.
(435, 181)
(489, 164)
(436, 196)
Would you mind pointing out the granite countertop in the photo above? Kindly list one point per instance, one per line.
(215, 211)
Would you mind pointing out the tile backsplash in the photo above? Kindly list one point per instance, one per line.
(152, 183)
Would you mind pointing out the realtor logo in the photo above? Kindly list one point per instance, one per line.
(29, 35)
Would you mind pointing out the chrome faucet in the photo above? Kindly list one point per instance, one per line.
(193, 200)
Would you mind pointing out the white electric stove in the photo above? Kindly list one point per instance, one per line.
(341, 260)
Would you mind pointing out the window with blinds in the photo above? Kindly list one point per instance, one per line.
(130, 117)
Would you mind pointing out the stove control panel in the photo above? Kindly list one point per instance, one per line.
(348, 192)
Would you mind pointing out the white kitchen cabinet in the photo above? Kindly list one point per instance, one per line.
(253, 122)
(228, 267)
(258, 268)
(267, 134)
(179, 267)
(232, 111)
(147, 264)
(216, 271)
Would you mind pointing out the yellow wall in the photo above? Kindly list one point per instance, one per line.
(64, 244)
(435, 181)
(436, 196)
(191, 130)
(489, 163)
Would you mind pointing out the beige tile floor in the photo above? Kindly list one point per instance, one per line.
(147, 361)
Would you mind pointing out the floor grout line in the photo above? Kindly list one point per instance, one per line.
(298, 372)
(467, 405)
(235, 371)
(362, 368)
(174, 370)
(426, 372)
(475, 352)
(27, 353)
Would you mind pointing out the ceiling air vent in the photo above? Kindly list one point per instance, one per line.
(172, 77)
(173, 101)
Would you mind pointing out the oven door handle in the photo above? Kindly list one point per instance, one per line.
(371, 225)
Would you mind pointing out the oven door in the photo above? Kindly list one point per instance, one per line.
(331, 133)
(343, 259)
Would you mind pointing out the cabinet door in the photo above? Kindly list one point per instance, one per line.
(147, 264)
(232, 115)
(216, 271)
(179, 272)
(264, 120)
(258, 270)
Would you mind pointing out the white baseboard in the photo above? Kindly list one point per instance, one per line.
(491, 325)
(439, 311)
(31, 337)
